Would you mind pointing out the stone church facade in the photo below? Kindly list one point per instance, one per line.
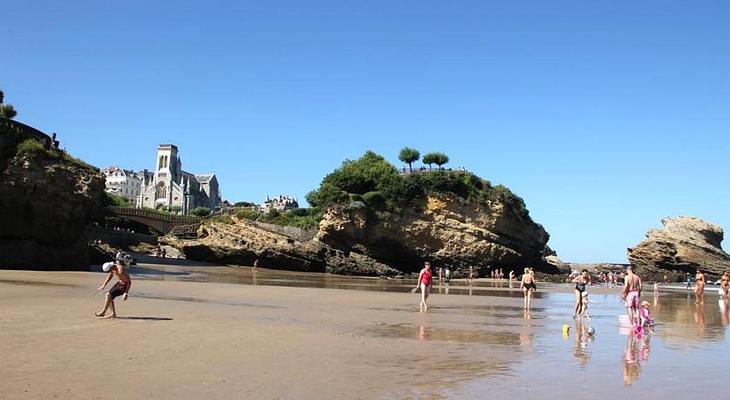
(171, 188)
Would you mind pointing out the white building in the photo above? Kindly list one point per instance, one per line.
(122, 182)
(279, 203)
(171, 188)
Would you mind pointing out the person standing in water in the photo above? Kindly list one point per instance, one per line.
(631, 294)
(424, 282)
(471, 275)
(724, 285)
(120, 288)
(699, 287)
(580, 286)
(527, 286)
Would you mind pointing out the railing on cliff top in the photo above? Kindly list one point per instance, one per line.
(191, 219)
(24, 131)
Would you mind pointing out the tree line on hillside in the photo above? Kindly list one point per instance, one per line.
(410, 155)
(379, 185)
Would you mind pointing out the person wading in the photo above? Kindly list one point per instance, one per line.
(630, 294)
(527, 286)
(424, 282)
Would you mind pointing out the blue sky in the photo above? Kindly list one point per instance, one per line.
(605, 116)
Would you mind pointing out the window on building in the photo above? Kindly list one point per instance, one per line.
(161, 191)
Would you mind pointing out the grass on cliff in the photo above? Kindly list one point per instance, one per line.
(379, 185)
(32, 149)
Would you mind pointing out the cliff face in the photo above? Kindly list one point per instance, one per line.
(46, 199)
(448, 231)
(684, 244)
(354, 240)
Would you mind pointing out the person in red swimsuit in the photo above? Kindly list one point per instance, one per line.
(424, 282)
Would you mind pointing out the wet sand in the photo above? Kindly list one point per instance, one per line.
(182, 338)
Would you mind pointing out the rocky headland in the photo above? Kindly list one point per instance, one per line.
(46, 200)
(684, 244)
(448, 217)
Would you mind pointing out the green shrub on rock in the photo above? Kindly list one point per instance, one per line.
(382, 188)
(374, 199)
(200, 211)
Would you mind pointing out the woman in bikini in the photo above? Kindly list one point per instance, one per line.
(527, 286)
(724, 285)
(699, 287)
(580, 286)
(424, 282)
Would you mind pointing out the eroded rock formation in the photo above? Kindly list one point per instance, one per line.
(684, 244)
(356, 240)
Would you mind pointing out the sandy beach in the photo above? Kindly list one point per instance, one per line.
(178, 339)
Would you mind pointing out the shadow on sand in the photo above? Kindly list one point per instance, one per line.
(147, 318)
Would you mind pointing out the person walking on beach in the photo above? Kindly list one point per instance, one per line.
(120, 288)
(689, 281)
(580, 286)
(471, 275)
(441, 275)
(527, 285)
(699, 287)
(630, 294)
(424, 282)
(448, 274)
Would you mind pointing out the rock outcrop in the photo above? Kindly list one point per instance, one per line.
(243, 241)
(684, 244)
(46, 200)
(356, 240)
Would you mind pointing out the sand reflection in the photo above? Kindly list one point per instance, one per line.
(636, 354)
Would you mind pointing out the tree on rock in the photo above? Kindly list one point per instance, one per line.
(408, 156)
(6, 110)
(430, 158)
(441, 159)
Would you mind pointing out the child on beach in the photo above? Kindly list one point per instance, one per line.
(645, 314)
(586, 300)
(120, 288)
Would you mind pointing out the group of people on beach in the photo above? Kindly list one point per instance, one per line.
(638, 312)
(425, 279)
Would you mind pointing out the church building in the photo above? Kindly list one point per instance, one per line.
(171, 188)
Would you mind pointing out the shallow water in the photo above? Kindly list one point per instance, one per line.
(491, 346)
(268, 277)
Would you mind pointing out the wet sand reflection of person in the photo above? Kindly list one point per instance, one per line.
(630, 361)
(526, 336)
(636, 352)
(700, 319)
(724, 317)
(582, 338)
